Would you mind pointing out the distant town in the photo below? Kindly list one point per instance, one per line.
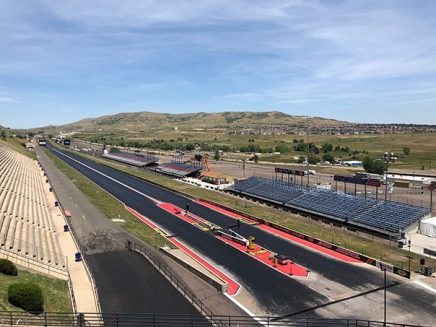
(351, 129)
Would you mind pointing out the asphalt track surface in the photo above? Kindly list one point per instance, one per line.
(118, 271)
(279, 294)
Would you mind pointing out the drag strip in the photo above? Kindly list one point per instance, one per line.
(122, 278)
(352, 276)
(278, 294)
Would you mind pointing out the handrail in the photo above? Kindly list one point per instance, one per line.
(49, 269)
(177, 283)
(12, 318)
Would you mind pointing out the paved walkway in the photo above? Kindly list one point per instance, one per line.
(83, 288)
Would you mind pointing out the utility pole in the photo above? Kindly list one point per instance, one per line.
(308, 153)
(384, 295)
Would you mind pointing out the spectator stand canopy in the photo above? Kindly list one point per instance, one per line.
(134, 159)
(178, 169)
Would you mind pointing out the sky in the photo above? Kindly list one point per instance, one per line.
(355, 60)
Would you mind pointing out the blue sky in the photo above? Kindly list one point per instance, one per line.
(362, 61)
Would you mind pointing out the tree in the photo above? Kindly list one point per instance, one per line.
(313, 160)
(3, 134)
(328, 157)
(190, 147)
(406, 150)
(327, 147)
(217, 155)
(375, 166)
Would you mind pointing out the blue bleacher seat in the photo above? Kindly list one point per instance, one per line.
(388, 217)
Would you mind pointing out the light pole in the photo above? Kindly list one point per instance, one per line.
(384, 297)
(409, 244)
(308, 153)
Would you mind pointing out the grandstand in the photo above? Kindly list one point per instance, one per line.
(382, 217)
(134, 159)
(178, 169)
(26, 226)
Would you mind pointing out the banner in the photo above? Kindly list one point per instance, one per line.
(374, 182)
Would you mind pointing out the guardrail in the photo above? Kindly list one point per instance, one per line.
(8, 318)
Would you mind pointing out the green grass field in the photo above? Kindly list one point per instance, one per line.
(379, 249)
(422, 155)
(55, 291)
(110, 206)
(17, 145)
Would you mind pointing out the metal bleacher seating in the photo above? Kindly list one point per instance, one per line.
(134, 159)
(389, 218)
(26, 226)
(334, 204)
(273, 191)
(177, 169)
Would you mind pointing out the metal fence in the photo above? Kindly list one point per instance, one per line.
(151, 319)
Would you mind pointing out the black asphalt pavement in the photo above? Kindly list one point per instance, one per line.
(351, 276)
(127, 282)
(278, 293)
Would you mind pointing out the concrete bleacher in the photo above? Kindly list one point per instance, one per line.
(26, 226)
(134, 159)
(177, 169)
(388, 218)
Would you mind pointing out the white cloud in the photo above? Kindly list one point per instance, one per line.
(4, 99)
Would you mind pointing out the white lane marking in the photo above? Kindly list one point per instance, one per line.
(431, 289)
(111, 178)
(135, 190)
(244, 308)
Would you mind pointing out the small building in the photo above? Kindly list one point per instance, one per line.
(353, 163)
(215, 178)
(413, 176)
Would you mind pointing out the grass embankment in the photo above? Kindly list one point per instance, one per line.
(110, 206)
(55, 291)
(376, 248)
(18, 145)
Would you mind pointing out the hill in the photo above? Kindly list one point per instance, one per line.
(136, 121)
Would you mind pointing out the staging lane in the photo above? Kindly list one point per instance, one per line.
(279, 294)
(352, 276)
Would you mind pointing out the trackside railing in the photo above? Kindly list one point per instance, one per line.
(8, 318)
(177, 283)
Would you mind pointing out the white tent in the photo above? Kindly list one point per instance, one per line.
(428, 227)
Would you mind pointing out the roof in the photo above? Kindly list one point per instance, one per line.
(409, 172)
(214, 174)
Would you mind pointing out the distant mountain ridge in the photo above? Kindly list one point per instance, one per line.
(134, 121)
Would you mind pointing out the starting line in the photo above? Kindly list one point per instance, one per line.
(261, 254)
(282, 234)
